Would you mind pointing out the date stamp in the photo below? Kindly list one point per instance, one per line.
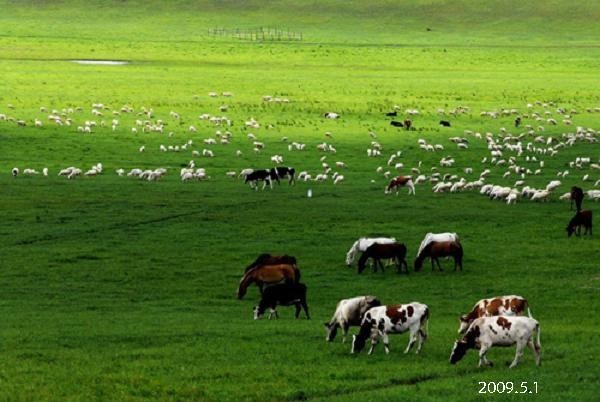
(508, 387)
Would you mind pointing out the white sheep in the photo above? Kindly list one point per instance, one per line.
(142, 148)
(45, 171)
(542, 195)
(338, 179)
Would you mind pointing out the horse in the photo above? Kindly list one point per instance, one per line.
(429, 237)
(435, 249)
(577, 197)
(362, 244)
(268, 275)
(401, 181)
(581, 218)
(395, 251)
(268, 259)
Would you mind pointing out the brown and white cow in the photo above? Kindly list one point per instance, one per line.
(499, 305)
(393, 319)
(401, 181)
(486, 332)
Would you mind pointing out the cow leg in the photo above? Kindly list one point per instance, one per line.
(411, 340)
(536, 349)
(374, 341)
(273, 313)
(483, 361)
(518, 354)
(345, 327)
(386, 342)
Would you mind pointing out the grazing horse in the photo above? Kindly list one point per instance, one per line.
(429, 237)
(268, 259)
(401, 181)
(577, 197)
(435, 249)
(363, 244)
(268, 274)
(395, 251)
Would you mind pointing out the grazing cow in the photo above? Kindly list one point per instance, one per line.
(349, 312)
(581, 218)
(401, 181)
(407, 124)
(392, 319)
(486, 332)
(394, 251)
(517, 122)
(285, 295)
(444, 123)
(499, 305)
(577, 197)
(396, 123)
(392, 114)
(285, 172)
(331, 115)
(265, 175)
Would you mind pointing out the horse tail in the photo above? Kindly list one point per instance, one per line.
(243, 286)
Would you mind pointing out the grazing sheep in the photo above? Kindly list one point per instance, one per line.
(142, 148)
(15, 171)
(338, 179)
(45, 171)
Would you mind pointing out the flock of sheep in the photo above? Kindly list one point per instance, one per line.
(520, 156)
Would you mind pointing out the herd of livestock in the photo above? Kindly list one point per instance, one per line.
(497, 321)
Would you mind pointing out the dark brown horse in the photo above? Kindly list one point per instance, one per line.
(268, 259)
(435, 249)
(268, 275)
(395, 251)
(576, 197)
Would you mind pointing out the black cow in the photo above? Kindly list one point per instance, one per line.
(286, 294)
(392, 114)
(581, 218)
(396, 123)
(444, 123)
(285, 172)
(265, 175)
(517, 122)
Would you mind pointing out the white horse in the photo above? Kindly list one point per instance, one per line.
(363, 244)
(431, 237)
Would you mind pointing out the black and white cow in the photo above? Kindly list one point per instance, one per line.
(286, 173)
(349, 312)
(285, 294)
(265, 175)
(393, 319)
(486, 332)
(444, 123)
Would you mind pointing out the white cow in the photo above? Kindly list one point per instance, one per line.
(349, 312)
(486, 332)
(393, 319)
(363, 244)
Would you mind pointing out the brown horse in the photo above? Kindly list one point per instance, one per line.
(268, 274)
(268, 259)
(377, 251)
(436, 249)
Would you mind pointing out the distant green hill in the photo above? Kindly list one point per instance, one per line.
(448, 22)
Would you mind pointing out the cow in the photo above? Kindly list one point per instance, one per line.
(381, 321)
(392, 114)
(349, 312)
(265, 175)
(500, 305)
(401, 181)
(581, 218)
(577, 197)
(486, 332)
(331, 115)
(517, 122)
(395, 123)
(444, 123)
(285, 172)
(286, 294)
(407, 124)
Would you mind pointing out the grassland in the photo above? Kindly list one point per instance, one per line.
(119, 289)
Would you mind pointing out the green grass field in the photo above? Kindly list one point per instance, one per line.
(119, 289)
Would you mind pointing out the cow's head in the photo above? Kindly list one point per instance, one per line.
(359, 340)
(464, 324)
(458, 351)
(358, 343)
(331, 331)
